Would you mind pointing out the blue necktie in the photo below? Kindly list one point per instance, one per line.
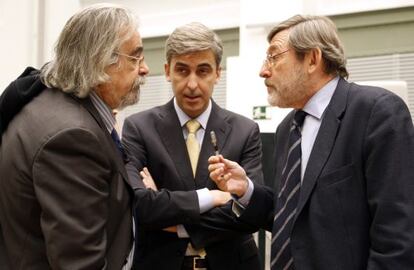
(287, 199)
(118, 144)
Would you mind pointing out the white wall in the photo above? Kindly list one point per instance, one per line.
(29, 30)
(57, 12)
(18, 32)
(159, 18)
(257, 18)
(23, 44)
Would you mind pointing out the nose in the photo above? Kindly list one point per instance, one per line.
(264, 71)
(143, 69)
(192, 82)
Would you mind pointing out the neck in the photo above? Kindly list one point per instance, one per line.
(315, 84)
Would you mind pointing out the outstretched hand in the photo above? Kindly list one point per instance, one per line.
(228, 175)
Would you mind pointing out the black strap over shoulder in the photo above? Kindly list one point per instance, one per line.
(20, 92)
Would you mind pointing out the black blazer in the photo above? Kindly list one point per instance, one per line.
(356, 207)
(65, 200)
(154, 139)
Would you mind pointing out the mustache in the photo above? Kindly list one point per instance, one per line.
(138, 82)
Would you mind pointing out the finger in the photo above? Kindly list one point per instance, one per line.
(225, 177)
(220, 178)
(143, 175)
(216, 173)
(215, 166)
(146, 171)
(213, 159)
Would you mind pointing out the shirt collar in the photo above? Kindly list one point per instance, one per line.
(317, 104)
(184, 118)
(104, 111)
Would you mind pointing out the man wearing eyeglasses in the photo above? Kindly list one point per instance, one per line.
(65, 198)
(183, 221)
(343, 161)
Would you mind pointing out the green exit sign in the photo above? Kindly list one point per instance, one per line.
(261, 112)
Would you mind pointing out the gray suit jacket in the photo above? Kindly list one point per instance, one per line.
(64, 198)
(154, 139)
(356, 206)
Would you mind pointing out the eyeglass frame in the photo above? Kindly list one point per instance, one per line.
(271, 58)
(139, 59)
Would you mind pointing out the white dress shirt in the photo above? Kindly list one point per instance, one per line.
(315, 108)
(205, 199)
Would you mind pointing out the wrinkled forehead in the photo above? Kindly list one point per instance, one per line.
(279, 42)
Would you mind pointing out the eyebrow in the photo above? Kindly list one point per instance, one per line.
(181, 64)
(137, 50)
(274, 47)
(205, 65)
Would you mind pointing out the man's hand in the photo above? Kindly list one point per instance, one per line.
(220, 197)
(149, 183)
(228, 175)
(147, 179)
(171, 229)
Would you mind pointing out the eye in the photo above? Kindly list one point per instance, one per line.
(181, 70)
(203, 71)
(134, 60)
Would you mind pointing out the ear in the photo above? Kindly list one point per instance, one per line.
(314, 60)
(218, 74)
(167, 72)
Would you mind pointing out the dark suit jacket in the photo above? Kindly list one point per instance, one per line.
(154, 139)
(64, 199)
(356, 207)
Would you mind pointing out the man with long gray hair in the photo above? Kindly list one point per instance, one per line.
(65, 199)
(183, 220)
(343, 160)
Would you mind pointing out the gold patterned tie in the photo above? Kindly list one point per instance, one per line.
(193, 147)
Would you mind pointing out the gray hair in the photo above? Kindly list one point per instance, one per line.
(310, 32)
(193, 37)
(86, 46)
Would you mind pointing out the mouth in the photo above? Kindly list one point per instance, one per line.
(191, 98)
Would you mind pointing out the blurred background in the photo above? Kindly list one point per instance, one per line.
(378, 36)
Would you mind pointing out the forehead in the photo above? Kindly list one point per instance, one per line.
(279, 41)
(134, 42)
(198, 58)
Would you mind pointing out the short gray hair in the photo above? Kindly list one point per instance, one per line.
(86, 46)
(193, 37)
(310, 32)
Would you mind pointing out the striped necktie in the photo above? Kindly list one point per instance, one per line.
(287, 199)
(193, 146)
(118, 144)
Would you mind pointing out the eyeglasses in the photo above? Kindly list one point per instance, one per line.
(271, 59)
(135, 61)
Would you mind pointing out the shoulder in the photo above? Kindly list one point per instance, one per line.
(54, 111)
(373, 105)
(148, 115)
(371, 95)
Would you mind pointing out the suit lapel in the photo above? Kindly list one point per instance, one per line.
(217, 122)
(324, 142)
(87, 104)
(171, 134)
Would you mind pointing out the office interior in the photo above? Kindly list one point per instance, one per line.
(377, 36)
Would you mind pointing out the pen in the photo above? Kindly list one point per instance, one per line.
(214, 142)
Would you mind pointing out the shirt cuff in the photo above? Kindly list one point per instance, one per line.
(245, 199)
(182, 232)
(239, 204)
(205, 200)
